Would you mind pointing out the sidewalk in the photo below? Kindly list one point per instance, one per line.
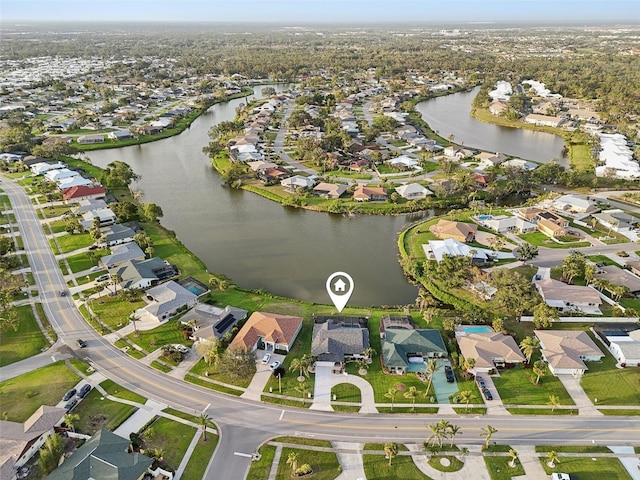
(582, 401)
(140, 418)
(351, 463)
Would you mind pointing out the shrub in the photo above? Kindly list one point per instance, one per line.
(304, 470)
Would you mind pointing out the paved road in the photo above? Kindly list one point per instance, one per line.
(245, 424)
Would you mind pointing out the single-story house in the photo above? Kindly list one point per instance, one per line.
(623, 342)
(104, 215)
(105, 455)
(616, 220)
(619, 276)
(363, 193)
(437, 249)
(167, 300)
(90, 139)
(569, 298)
(40, 168)
(120, 135)
(292, 184)
(413, 191)
(634, 266)
(544, 120)
(83, 192)
(574, 204)
(503, 223)
(88, 205)
(460, 231)
(272, 331)
(19, 442)
(551, 229)
(69, 182)
(330, 190)
(210, 321)
(567, 350)
(490, 350)
(122, 253)
(60, 173)
(395, 322)
(404, 162)
(333, 343)
(405, 350)
(142, 273)
(117, 234)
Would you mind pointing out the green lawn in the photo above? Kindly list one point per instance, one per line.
(121, 392)
(260, 470)
(23, 395)
(324, 464)
(27, 341)
(515, 388)
(200, 457)
(114, 311)
(455, 464)
(172, 437)
(56, 211)
(97, 412)
(82, 261)
(376, 467)
(587, 468)
(167, 333)
(57, 226)
(541, 240)
(499, 469)
(346, 392)
(69, 243)
(572, 448)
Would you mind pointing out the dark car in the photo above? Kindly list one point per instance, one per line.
(480, 381)
(86, 388)
(63, 293)
(487, 394)
(81, 343)
(70, 404)
(93, 247)
(449, 374)
(69, 394)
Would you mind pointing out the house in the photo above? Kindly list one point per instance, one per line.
(104, 215)
(569, 298)
(117, 234)
(105, 455)
(405, 350)
(83, 192)
(504, 223)
(167, 300)
(460, 231)
(333, 343)
(270, 331)
(260, 165)
(142, 274)
(453, 151)
(90, 139)
(59, 174)
(482, 180)
(574, 204)
(543, 120)
(395, 322)
(634, 266)
(497, 107)
(616, 220)
(363, 193)
(76, 181)
(566, 351)
(40, 168)
(210, 321)
(120, 135)
(551, 229)
(330, 190)
(413, 191)
(122, 253)
(623, 341)
(619, 276)
(292, 184)
(19, 442)
(404, 162)
(490, 350)
(437, 249)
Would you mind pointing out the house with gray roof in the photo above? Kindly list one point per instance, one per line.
(334, 343)
(117, 234)
(142, 273)
(122, 253)
(212, 322)
(167, 300)
(105, 455)
(406, 350)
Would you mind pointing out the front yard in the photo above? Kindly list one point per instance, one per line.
(23, 343)
(589, 468)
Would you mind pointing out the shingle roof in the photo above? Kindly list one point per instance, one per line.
(485, 347)
(563, 348)
(168, 297)
(333, 342)
(398, 343)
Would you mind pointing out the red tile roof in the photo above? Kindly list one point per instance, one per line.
(83, 191)
(271, 327)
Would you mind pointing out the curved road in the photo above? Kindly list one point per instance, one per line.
(244, 425)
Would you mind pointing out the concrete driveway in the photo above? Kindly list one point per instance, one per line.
(262, 375)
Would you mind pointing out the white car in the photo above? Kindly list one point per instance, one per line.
(181, 348)
(266, 358)
(96, 268)
(274, 365)
(560, 476)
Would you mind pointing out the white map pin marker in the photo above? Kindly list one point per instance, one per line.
(340, 287)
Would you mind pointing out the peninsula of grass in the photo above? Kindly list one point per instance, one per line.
(376, 467)
(97, 412)
(588, 468)
(260, 469)
(200, 457)
(24, 342)
(23, 395)
(324, 464)
(346, 392)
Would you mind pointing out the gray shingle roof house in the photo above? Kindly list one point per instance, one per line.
(122, 253)
(335, 343)
(116, 234)
(142, 273)
(104, 456)
(405, 350)
(169, 299)
(212, 321)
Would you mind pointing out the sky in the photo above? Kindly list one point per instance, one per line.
(325, 11)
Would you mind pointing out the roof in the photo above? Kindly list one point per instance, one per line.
(122, 253)
(413, 189)
(396, 322)
(619, 276)
(398, 343)
(363, 192)
(271, 327)
(330, 189)
(116, 232)
(103, 456)
(554, 290)
(563, 348)
(80, 191)
(332, 342)
(212, 321)
(132, 271)
(458, 230)
(452, 247)
(168, 297)
(485, 347)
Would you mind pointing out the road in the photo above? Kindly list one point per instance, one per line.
(244, 425)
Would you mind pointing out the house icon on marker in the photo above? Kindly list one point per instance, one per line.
(339, 286)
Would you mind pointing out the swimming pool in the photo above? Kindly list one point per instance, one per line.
(479, 329)
(482, 218)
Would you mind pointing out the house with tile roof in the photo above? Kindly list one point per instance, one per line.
(363, 193)
(270, 330)
(330, 190)
(566, 351)
(83, 192)
(460, 231)
(569, 298)
(490, 350)
(406, 350)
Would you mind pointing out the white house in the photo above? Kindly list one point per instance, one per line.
(59, 174)
(616, 157)
(413, 191)
(291, 184)
(404, 161)
(574, 204)
(566, 351)
(504, 223)
(625, 347)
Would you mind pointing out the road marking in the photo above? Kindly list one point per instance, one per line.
(240, 454)
(282, 415)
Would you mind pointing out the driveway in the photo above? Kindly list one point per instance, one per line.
(582, 401)
(325, 380)
(262, 375)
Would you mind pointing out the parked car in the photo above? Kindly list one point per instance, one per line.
(487, 394)
(69, 394)
(480, 381)
(81, 343)
(448, 371)
(274, 365)
(181, 348)
(70, 404)
(93, 247)
(86, 388)
(560, 476)
(96, 268)
(266, 358)
(102, 278)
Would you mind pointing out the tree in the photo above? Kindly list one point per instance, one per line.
(465, 396)
(544, 315)
(436, 434)
(498, 325)
(209, 350)
(432, 368)
(487, 432)
(151, 212)
(529, 345)
(238, 363)
(391, 393)
(525, 252)
(572, 266)
(302, 365)
(554, 401)
(50, 453)
(514, 456)
(70, 419)
(540, 370)
(589, 273)
(119, 174)
(552, 459)
(390, 450)
(452, 431)
(205, 421)
(303, 389)
(412, 394)
(125, 211)
(292, 460)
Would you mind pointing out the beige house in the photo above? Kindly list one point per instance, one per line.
(569, 298)
(490, 350)
(363, 193)
(460, 231)
(274, 331)
(567, 350)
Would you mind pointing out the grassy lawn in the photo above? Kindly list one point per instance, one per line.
(23, 395)
(27, 341)
(212, 386)
(499, 468)
(167, 333)
(454, 463)
(324, 464)
(97, 412)
(120, 392)
(620, 412)
(69, 243)
(515, 388)
(541, 240)
(611, 385)
(260, 470)
(172, 437)
(56, 211)
(200, 457)
(589, 469)
(346, 392)
(114, 311)
(81, 261)
(573, 448)
(376, 467)
(57, 226)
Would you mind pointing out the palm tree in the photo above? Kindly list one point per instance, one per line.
(412, 393)
(432, 368)
(302, 365)
(391, 450)
(205, 421)
(529, 345)
(391, 393)
(466, 396)
(554, 401)
(303, 389)
(552, 459)
(453, 430)
(487, 432)
(539, 369)
(70, 419)
(292, 460)
(514, 456)
(158, 454)
(436, 434)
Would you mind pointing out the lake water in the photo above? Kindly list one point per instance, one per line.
(450, 114)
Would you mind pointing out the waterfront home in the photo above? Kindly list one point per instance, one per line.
(122, 253)
(569, 298)
(363, 193)
(413, 191)
(543, 120)
(90, 139)
(504, 223)
(406, 350)
(210, 322)
(460, 231)
(268, 331)
(141, 274)
(453, 151)
(116, 234)
(166, 301)
(437, 249)
(395, 322)
(105, 217)
(292, 184)
(330, 190)
(574, 204)
(120, 135)
(334, 343)
(42, 167)
(566, 351)
(83, 192)
(490, 350)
